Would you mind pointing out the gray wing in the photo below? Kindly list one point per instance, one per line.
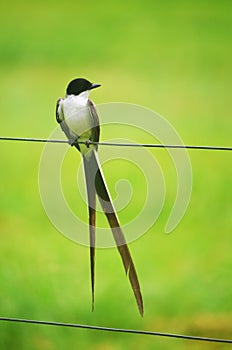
(95, 134)
(59, 114)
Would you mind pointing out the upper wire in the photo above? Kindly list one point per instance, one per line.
(149, 145)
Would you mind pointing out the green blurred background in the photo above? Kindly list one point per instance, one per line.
(172, 57)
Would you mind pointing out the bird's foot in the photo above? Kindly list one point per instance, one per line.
(87, 143)
(73, 141)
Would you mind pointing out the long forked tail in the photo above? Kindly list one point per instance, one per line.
(92, 166)
(91, 194)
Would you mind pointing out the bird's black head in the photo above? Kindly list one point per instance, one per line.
(77, 86)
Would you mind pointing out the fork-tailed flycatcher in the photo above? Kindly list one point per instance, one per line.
(78, 119)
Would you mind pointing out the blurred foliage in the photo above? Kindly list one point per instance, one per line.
(172, 57)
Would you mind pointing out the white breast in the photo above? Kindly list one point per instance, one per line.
(77, 114)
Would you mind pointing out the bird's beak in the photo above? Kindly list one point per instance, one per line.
(94, 86)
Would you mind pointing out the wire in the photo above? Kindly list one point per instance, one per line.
(150, 145)
(218, 148)
(118, 330)
(30, 139)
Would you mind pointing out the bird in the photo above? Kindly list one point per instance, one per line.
(78, 119)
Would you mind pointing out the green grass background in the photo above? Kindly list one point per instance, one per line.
(173, 57)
